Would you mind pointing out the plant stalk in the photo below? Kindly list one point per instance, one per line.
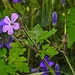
(52, 72)
(69, 64)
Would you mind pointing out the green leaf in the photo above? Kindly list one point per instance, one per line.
(18, 7)
(3, 52)
(36, 31)
(51, 51)
(45, 46)
(9, 70)
(45, 34)
(5, 69)
(42, 55)
(16, 59)
(48, 50)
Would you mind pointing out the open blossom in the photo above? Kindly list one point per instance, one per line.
(42, 64)
(5, 41)
(54, 18)
(10, 24)
(57, 69)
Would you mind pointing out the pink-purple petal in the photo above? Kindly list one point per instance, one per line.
(16, 26)
(10, 30)
(7, 20)
(5, 28)
(14, 17)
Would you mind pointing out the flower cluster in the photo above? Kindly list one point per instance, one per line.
(7, 25)
(42, 64)
(10, 24)
(45, 68)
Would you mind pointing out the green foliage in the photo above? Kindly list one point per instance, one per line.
(3, 52)
(18, 7)
(5, 69)
(49, 50)
(36, 31)
(6, 13)
(45, 34)
(39, 35)
(16, 60)
(70, 26)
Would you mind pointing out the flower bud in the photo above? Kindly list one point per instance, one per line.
(63, 2)
(57, 69)
(54, 18)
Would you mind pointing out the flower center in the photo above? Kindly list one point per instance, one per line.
(12, 24)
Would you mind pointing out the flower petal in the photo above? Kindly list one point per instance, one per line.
(42, 64)
(3, 23)
(0, 30)
(51, 63)
(10, 30)
(1, 45)
(5, 28)
(7, 20)
(14, 17)
(45, 74)
(16, 1)
(16, 26)
(7, 45)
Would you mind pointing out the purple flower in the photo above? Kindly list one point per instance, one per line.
(63, 2)
(15, 1)
(6, 41)
(57, 69)
(10, 25)
(1, 25)
(54, 18)
(42, 64)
